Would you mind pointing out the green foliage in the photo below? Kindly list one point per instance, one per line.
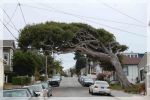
(42, 78)
(24, 63)
(132, 89)
(105, 36)
(116, 86)
(80, 62)
(21, 80)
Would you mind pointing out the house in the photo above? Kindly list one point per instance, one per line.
(92, 69)
(148, 74)
(8, 50)
(130, 63)
(144, 71)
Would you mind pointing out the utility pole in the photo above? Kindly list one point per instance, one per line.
(46, 75)
(46, 50)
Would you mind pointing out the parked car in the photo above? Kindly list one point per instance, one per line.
(88, 81)
(55, 81)
(101, 87)
(58, 77)
(21, 92)
(80, 78)
(31, 91)
(83, 78)
(48, 88)
(39, 90)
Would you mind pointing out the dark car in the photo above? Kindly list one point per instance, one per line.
(55, 81)
(87, 82)
(22, 92)
(48, 88)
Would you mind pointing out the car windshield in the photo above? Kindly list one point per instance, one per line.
(88, 79)
(45, 85)
(15, 93)
(55, 78)
(101, 83)
(36, 87)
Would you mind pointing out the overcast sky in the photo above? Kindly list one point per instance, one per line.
(98, 13)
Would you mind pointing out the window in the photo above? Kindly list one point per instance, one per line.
(142, 77)
(6, 58)
(125, 70)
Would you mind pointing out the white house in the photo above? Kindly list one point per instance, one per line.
(144, 71)
(8, 50)
(130, 63)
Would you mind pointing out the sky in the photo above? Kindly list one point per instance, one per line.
(107, 14)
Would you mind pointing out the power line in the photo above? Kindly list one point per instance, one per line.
(10, 25)
(22, 13)
(98, 18)
(89, 21)
(12, 15)
(8, 30)
(133, 18)
(10, 20)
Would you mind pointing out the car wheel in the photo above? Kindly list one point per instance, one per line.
(108, 94)
(92, 93)
(89, 91)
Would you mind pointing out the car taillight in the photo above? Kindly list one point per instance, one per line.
(95, 86)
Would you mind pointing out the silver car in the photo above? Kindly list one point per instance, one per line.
(39, 90)
(25, 93)
(48, 88)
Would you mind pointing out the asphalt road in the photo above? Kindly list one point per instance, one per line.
(70, 87)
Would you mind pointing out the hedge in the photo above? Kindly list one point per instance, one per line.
(21, 80)
(42, 78)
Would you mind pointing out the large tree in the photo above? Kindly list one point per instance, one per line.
(71, 37)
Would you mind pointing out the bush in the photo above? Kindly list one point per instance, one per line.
(21, 80)
(42, 78)
(132, 89)
(116, 86)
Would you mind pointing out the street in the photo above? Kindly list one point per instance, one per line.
(70, 87)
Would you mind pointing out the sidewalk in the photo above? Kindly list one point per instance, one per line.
(119, 93)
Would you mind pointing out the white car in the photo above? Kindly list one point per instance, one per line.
(101, 87)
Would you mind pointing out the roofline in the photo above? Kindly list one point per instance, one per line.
(9, 47)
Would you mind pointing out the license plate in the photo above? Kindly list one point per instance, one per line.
(102, 87)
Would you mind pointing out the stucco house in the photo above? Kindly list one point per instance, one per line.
(144, 71)
(8, 50)
(130, 63)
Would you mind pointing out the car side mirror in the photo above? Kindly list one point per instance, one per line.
(36, 95)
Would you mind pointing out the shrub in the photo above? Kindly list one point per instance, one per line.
(21, 80)
(132, 89)
(116, 86)
(42, 78)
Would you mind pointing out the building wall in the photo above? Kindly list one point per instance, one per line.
(132, 73)
(148, 74)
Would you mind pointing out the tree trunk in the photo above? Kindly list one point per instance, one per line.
(119, 71)
(113, 59)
